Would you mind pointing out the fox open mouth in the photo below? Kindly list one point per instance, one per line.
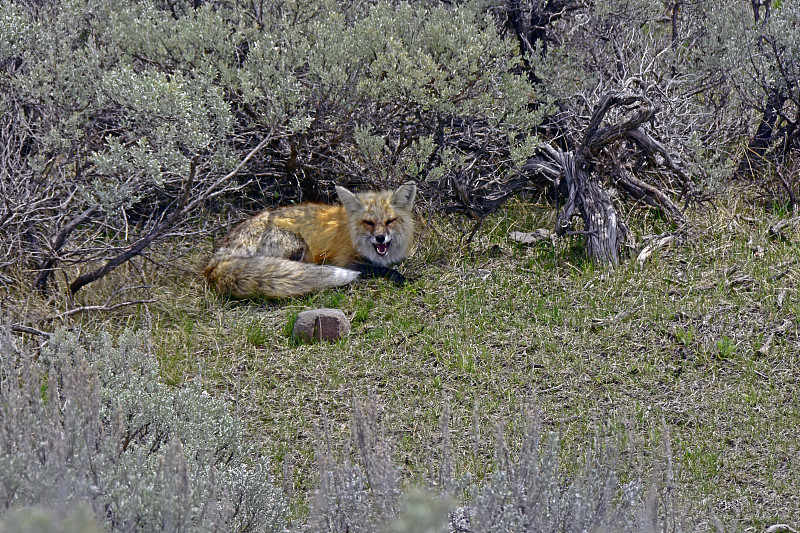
(382, 248)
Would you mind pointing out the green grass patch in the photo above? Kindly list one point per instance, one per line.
(701, 340)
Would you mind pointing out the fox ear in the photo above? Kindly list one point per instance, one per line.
(403, 197)
(349, 200)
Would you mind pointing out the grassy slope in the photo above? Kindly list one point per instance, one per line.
(704, 336)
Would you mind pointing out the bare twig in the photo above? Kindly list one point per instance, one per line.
(134, 250)
(87, 308)
(27, 329)
(186, 204)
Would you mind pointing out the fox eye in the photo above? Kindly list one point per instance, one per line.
(369, 223)
(391, 220)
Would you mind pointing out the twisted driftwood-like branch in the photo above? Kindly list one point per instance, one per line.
(579, 173)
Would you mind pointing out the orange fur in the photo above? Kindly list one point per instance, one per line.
(270, 254)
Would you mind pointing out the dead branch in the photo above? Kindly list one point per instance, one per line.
(651, 195)
(46, 267)
(136, 249)
(32, 331)
(604, 150)
(185, 204)
(596, 137)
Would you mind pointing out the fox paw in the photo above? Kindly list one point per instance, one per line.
(397, 278)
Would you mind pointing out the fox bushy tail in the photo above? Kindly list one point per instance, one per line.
(246, 276)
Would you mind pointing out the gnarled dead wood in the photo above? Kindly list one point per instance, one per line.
(605, 156)
(604, 229)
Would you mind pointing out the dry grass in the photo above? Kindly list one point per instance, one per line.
(703, 335)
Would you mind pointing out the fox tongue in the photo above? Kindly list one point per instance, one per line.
(381, 248)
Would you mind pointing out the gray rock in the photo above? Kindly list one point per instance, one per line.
(532, 237)
(321, 325)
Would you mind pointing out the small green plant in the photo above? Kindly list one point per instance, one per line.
(685, 336)
(290, 321)
(726, 347)
(363, 310)
(257, 336)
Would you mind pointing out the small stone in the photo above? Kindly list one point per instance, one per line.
(533, 237)
(321, 325)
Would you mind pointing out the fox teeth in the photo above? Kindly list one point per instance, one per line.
(381, 248)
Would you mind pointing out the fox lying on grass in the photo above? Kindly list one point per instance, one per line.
(298, 249)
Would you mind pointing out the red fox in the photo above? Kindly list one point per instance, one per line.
(294, 250)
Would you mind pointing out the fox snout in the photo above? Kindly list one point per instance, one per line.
(381, 242)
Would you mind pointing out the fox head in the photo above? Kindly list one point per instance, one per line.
(381, 223)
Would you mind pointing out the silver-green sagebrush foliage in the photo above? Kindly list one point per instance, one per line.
(530, 492)
(123, 120)
(89, 424)
(91, 439)
(529, 488)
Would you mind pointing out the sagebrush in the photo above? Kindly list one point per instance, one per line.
(89, 423)
(91, 439)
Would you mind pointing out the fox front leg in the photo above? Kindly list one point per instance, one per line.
(375, 271)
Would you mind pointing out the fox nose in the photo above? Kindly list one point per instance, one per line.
(380, 238)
